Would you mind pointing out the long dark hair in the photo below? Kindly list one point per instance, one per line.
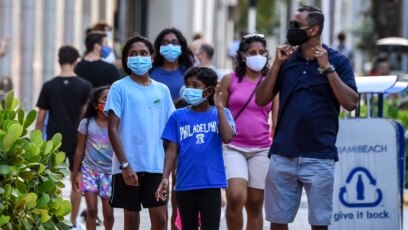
(93, 101)
(240, 66)
(186, 59)
(206, 76)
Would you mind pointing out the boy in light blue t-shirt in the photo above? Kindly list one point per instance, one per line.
(138, 108)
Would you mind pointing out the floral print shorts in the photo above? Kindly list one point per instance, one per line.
(96, 182)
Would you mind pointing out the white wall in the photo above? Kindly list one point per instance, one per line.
(36, 30)
(169, 13)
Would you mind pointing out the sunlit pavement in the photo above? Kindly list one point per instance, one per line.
(300, 223)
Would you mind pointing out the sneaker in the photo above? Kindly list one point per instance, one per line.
(83, 215)
(73, 227)
(98, 221)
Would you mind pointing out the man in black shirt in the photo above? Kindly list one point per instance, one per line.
(64, 99)
(91, 67)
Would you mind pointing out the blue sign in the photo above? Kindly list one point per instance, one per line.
(360, 189)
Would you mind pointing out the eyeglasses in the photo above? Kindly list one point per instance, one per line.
(296, 24)
(174, 42)
(253, 35)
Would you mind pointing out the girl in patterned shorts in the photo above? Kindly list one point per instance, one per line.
(94, 152)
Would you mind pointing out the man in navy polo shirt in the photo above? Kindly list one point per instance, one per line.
(312, 80)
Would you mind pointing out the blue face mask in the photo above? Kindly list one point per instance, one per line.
(170, 52)
(106, 50)
(193, 96)
(139, 65)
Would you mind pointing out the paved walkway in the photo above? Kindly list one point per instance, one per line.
(299, 224)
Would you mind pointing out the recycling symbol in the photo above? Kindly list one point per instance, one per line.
(356, 193)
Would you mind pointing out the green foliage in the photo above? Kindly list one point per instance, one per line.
(31, 173)
(266, 16)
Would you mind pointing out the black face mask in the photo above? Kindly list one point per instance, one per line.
(296, 36)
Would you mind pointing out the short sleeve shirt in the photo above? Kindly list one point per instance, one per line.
(64, 98)
(308, 108)
(98, 73)
(172, 79)
(98, 149)
(200, 162)
(143, 112)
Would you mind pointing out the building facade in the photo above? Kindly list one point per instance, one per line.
(37, 29)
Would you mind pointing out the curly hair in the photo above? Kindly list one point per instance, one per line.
(126, 49)
(186, 60)
(205, 75)
(240, 66)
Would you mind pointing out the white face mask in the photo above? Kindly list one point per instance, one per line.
(256, 63)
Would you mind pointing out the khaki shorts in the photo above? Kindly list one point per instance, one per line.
(250, 164)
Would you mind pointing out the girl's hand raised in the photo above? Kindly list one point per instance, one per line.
(218, 97)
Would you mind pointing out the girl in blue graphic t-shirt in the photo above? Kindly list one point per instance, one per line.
(194, 137)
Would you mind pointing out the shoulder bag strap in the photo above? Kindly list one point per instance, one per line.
(250, 97)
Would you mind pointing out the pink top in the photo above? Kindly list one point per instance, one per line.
(252, 125)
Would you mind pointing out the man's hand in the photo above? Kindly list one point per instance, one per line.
(320, 54)
(283, 52)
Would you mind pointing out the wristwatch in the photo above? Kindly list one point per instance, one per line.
(329, 69)
(124, 165)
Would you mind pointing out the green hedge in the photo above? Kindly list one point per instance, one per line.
(31, 173)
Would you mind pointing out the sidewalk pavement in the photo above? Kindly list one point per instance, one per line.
(300, 223)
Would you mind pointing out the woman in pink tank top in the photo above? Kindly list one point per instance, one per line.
(246, 157)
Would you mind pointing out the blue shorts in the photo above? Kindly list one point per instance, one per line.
(283, 189)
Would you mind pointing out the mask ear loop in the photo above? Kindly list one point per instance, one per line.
(209, 87)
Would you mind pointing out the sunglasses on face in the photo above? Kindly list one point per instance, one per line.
(296, 24)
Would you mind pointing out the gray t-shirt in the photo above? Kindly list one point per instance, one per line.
(98, 149)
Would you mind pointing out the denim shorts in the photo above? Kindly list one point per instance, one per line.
(285, 180)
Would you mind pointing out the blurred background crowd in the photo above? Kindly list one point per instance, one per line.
(32, 31)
